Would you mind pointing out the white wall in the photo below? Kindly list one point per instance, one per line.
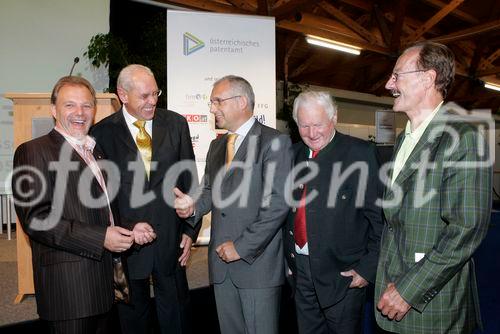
(38, 41)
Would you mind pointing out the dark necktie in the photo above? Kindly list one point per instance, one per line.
(300, 230)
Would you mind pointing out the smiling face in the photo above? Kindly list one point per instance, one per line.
(141, 98)
(74, 110)
(315, 127)
(408, 89)
(227, 107)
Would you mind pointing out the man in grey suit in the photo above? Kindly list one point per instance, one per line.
(243, 187)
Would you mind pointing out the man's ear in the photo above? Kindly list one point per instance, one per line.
(430, 78)
(243, 102)
(122, 94)
(53, 110)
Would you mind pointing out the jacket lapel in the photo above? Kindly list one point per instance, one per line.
(161, 140)
(430, 138)
(123, 133)
(130, 151)
(247, 149)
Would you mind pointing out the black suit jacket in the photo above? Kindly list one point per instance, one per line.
(73, 273)
(171, 144)
(341, 236)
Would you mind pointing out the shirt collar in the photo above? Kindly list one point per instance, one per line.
(311, 151)
(87, 142)
(243, 130)
(418, 132)
(129, 119)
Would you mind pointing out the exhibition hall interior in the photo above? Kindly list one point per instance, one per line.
(354, 50)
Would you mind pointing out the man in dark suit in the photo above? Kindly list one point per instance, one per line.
(437, 203)
(243, 187)
(145, 142)
(55, 179)
(333, 231)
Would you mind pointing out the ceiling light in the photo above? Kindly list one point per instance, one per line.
(492, 86)
(328, 43)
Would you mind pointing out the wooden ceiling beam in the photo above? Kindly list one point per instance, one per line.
(407, 27)
(457, 12)
(289, 8)
(474, 62)
(469, 32)
(347, 21)
(398, 26)
(360, 4)
(311, 58)
(488, 62)
(307, 30)
(210, 6)
(364, 19)
(433, 21)
(324, 23)
(263, 7)
(490, 71)
(382, 24)
(245, 5)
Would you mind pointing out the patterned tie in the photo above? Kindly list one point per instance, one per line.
(144, 145)
(299, 229)
(231, 139)
(85, 151)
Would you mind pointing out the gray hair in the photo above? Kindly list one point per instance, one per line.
(125, 78)
(239, 86)
(321, 98)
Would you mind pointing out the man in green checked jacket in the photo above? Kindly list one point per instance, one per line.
(436, 205)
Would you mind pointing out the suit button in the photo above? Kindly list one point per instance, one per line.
(292, 255)
(290, 232)
(391, 229)
(301, 186)
(344, 196)
(223, 214)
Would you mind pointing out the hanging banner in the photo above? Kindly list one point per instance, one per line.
(203, 47)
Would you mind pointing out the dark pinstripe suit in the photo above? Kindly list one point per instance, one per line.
(73, 272)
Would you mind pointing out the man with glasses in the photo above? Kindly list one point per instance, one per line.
(244, 188)
(144, 142)
(436, 205)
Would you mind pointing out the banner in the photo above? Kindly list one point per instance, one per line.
(202, 48)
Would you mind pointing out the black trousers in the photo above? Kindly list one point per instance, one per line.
(345, 317)
(171, 300)
(98, 324)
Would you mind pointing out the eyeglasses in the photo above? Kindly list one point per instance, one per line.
(395, 75)
(217, 102)
(154, 94)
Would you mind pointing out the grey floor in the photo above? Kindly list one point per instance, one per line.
(10, 313)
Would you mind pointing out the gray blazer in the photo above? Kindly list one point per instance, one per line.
(256, 183)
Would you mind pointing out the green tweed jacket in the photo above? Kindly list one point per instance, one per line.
(436, 214)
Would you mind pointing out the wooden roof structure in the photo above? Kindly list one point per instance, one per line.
(382, 28)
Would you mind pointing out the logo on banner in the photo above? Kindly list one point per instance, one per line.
(192, 43)
(196, 118)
